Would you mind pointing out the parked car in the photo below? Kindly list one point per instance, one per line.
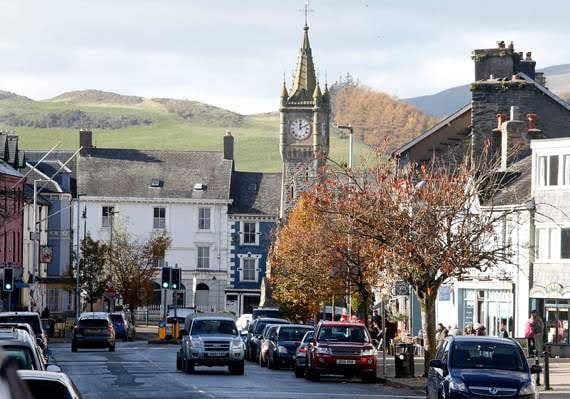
(273, 313)
(301, 354)
(474, 367)
(243, 321)
(27, 328)
(20, 346)
(32, 318)
(341, 348)
(123, 327)
(264, 342)
(93, 330)
(255, 330)
(40, 383)
(282, 344)
(212, 340)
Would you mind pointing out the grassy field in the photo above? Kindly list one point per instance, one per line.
(256, 138)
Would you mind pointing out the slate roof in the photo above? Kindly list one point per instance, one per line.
(256, 193)
(6, 169)
(33, 156)
(517, 189)
(129, 172)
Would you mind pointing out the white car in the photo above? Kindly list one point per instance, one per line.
(243, 321)
(56, 385)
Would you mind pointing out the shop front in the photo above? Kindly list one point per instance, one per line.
(552, 303)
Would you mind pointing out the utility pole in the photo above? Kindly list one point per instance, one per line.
(77, 259)
(349, 239)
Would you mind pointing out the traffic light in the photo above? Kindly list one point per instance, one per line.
(165, 277)
(175, 282)
(8, 279)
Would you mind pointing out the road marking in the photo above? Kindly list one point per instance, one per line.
(314, 394)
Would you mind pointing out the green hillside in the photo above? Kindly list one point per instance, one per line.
(134, 122)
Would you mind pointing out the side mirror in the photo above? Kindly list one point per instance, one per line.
(54, 368)
(437, 364)
(535, 369)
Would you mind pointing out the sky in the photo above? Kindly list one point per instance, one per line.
(234, 53)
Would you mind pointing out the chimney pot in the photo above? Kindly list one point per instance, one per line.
(85, 139)
(500, 119)
(528, 56)
(531, 121)
(229, 146)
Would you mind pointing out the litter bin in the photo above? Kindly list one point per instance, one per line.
(404, 360)
(162, 329)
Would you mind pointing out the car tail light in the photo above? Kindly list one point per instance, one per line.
(110, 327)
(303, 350)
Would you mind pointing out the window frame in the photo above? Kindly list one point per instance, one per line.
(255, 234)
(242, 268)
(106, 219)
(200, 257)
(202, 218)
(159, 218)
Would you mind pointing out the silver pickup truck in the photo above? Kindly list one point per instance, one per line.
(210, 340)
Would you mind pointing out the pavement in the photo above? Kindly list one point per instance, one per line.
(138, 370)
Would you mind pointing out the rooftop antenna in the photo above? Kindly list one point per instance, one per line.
(307, 10)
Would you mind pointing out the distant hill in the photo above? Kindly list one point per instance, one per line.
(450, 100)
(96, 97)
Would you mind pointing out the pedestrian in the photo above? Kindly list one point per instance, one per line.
(440, 334)
(503, 333)
(480, 330)
(45, 313)
(455, 331)
(538, 331)
(529, 334)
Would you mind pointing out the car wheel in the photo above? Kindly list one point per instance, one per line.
(73, 347)
(178, 362)
(299, 372)
(189, 367)
(237, 369)
(112, 348)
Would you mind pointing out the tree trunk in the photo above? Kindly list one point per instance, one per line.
(427, 304)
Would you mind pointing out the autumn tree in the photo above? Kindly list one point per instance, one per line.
(424, 222)
(133, 266)
(302, 276)
(93, 271)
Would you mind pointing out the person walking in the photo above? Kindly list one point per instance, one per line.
(538, 332)
(440, 334)
(529, 334)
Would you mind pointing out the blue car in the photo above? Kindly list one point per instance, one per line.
(468, 367)
(283, 343)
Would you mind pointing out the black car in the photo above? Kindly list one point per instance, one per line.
(255, 330)
(301, 354)
(283, 344)
(93, 330)
(468, 367)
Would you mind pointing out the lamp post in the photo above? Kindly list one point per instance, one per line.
(349, 239)
(112, 214)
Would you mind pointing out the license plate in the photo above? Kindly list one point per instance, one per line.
(217, 354)
(345, 361)
(93, 331)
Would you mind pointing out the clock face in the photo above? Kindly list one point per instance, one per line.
(300, 129)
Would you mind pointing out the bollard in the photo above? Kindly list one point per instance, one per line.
(546, 371)
(536, 362)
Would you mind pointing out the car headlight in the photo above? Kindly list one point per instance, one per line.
(368, 352)
(455, 384)
(323, 351)
(237, 343)
(282, 349)
(528, 389)
(196, 343)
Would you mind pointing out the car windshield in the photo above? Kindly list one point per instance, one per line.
(20, 355)
(33, 321)
(292, 333)
(477, 355)
(268, 331)
(343, 334)
(308, 337)
(259, 327)
(266, 313)
(214, 327)
(93, 323)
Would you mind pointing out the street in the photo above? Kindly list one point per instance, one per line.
(139, 370)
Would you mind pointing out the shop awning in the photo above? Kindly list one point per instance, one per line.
(554, 290)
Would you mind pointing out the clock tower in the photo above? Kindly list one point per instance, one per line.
(304, 128)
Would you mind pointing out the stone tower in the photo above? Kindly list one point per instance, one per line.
(304, 128)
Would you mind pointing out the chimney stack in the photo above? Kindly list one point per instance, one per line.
(516, 134)
(229, 146)
(85, 139)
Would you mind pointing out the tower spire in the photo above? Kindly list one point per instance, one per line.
(305, 80)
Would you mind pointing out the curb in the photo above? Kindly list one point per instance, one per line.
(398, 385)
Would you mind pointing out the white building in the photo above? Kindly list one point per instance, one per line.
(183, 193)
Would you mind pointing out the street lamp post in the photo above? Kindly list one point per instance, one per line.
(349, 239)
